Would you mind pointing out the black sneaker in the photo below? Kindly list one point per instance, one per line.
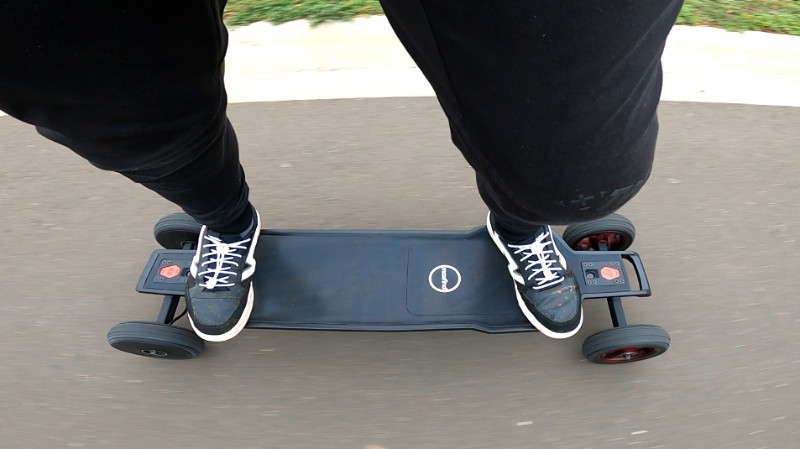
(219, 292)
(547, 291)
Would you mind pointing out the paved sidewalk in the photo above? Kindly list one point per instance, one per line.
(363, 58)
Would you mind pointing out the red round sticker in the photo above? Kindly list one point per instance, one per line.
(170, 271)
(609, 273)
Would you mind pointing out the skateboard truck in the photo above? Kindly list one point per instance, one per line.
(396, 281)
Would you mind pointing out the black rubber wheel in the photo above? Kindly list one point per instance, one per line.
(156, 340)
(614, 231)
(626, 344)
(175, 230)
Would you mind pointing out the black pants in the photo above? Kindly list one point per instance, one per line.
(552, 102)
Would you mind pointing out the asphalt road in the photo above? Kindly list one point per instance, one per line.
(716, 228)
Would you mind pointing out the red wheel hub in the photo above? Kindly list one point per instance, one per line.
(612, 241)
(631, 354)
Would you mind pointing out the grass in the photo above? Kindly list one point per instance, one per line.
(776, 16)
(243, 12)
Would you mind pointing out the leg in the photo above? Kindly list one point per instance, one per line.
(553, 103)
(137, 88)
(134, 88)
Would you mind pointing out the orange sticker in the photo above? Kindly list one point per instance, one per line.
(170, 271)
(609, 273)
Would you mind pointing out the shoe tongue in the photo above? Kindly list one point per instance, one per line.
(517, 236)
(527, 238)
(230, 238)
(525, 241)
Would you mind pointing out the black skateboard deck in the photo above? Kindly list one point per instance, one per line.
(393, 280)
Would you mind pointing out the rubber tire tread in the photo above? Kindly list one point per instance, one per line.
(172, 230)
(574, 233)
(636, 335)
(134, 336)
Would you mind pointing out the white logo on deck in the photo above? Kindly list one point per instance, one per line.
(444, 278)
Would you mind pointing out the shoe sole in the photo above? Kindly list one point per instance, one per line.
(513, 268)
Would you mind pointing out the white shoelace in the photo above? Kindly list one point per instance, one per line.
(223, 259)
(541, 261)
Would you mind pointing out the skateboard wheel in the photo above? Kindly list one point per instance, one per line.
(176, 230)
(626, 344)
(156, 340)
(611, 233)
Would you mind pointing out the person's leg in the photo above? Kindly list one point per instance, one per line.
(136, 87)
(553, 103)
